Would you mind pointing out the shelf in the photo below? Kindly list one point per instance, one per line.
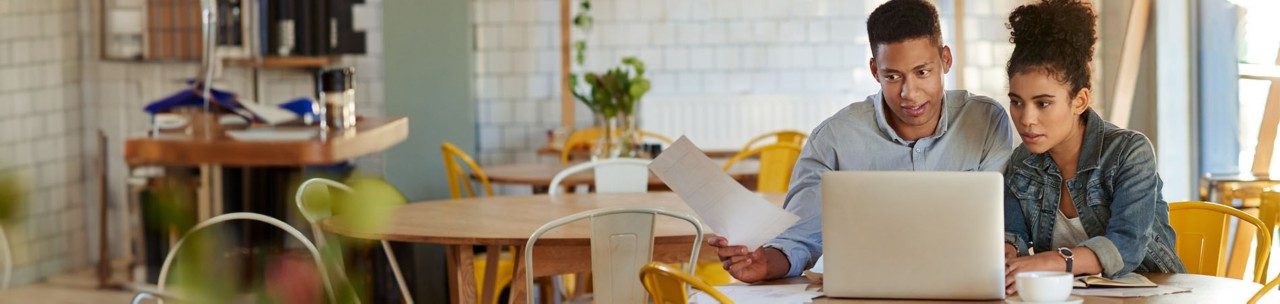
(1260, 71)
(290, 62)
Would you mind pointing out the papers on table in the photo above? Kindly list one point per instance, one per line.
(272, 115)
(817, 266)
(770, 294)
(1129, 292)
(732, 211)
(1132, 285)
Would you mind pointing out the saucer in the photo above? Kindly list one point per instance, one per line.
(1018, 300)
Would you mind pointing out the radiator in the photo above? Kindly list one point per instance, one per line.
(727, 122)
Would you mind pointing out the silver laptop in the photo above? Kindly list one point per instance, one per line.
(913, 235)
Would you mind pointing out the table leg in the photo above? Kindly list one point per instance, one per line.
(488, 288)
(462, 281)
(518, 279)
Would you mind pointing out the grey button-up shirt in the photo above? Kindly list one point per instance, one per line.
(973, 134)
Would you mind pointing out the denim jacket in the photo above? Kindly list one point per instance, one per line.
(1116, 192)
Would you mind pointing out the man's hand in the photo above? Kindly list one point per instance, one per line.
(1010, 252)
(749, 266)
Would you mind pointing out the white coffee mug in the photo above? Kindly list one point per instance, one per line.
(1044, 286)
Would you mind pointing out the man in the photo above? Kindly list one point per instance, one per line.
(912, 124)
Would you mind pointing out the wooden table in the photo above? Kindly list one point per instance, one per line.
(509, 220)
(370, 135)
(270, 158)
(1204, 289)
(539, 175)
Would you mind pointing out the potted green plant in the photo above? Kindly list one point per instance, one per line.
(612, 96)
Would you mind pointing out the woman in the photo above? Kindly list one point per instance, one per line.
(1081, 195)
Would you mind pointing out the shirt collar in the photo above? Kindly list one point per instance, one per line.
(882, 121)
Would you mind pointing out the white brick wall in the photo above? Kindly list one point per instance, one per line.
(40, 110)
(53, 101)
(790, 50)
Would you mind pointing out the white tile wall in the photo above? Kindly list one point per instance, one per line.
(40, 110)
(53, 100)
(774, 53)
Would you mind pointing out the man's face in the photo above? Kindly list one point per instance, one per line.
(910, 75)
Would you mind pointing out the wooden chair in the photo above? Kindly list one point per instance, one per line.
(586, 139)
(621, 243)
(776, 162)
(459, 181)
(667, 285)
(248, 216)
(619, 175)
(791, 136)
(316, 203)
(1202, 233)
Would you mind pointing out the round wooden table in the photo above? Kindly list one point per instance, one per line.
(539, 175)
(1204, 289)
(509, 220)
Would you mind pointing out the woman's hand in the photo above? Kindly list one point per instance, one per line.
(1010, 252)
(1045, 261)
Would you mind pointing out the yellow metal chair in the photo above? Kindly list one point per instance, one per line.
(1268, 212)
(791, 136)
(666, 285)
(460, 185)
(776, 162)
(459, 181)
(586, 139)
(1202, 233)
(1265, 288)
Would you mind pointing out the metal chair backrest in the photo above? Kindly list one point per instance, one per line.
(776, 162)
(667, 285)
(248, 216)
(791, 136)
(618, 175)
(459, 182)
(621, 243)
(1202, 229)
(320, 207)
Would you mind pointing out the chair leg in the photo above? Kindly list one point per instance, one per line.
(395, 269)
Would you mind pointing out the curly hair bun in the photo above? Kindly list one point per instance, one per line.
(1056, 36)
(1055, 23)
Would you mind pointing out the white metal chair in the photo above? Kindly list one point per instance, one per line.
(7, 258)
(621, 243)
(618, 175)
(315, 213)
(248, 216)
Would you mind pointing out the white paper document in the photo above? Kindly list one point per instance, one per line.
(1127, 292)
(765, 294)
(741, 216)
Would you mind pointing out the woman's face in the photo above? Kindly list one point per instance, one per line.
(1043, 110)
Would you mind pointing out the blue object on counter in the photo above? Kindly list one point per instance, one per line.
(189, 97)
(303, 106)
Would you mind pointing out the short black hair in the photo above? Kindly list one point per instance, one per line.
(901, 20)
(1055, 37)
